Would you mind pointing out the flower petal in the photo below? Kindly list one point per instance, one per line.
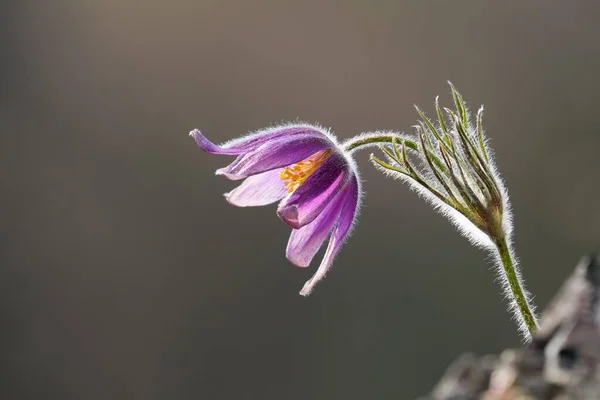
(258, 190)
(252, 141)
(306, 241)
(275, 154)
(309, 200)
(340, 233)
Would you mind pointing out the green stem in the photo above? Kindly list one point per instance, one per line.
(517, 292)
(371, 139)
(514, 284)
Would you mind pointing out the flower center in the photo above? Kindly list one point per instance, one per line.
(295, 175)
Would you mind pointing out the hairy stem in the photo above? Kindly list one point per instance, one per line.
(376, 138)
(516, 289)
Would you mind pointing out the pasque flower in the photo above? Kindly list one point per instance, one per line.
(315, 179)
(312, 176)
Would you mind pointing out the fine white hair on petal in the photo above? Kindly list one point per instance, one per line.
(325, 131)
(333, 249)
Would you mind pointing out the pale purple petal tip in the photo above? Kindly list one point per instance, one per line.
(209, 146)
(225, 172)
(340, 232)
(289, 215)
(258, 190)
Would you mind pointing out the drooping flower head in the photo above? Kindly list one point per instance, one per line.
(312, 176)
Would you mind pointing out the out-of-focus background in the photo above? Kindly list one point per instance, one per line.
(125, 275)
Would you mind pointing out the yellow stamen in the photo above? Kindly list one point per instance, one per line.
(295, 175)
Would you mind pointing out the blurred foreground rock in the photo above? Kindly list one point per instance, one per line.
(561, 362)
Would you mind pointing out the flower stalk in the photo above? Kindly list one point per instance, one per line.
(451, 166)
(512, 277)
(377, 139)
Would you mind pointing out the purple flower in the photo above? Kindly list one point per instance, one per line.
(312, 175)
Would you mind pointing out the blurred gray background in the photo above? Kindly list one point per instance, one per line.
(125, 275)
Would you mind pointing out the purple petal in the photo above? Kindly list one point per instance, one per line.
(258, 190)
(252, 141)
(274, 154)
(306, 241)
(340, 232)
(318, 190)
